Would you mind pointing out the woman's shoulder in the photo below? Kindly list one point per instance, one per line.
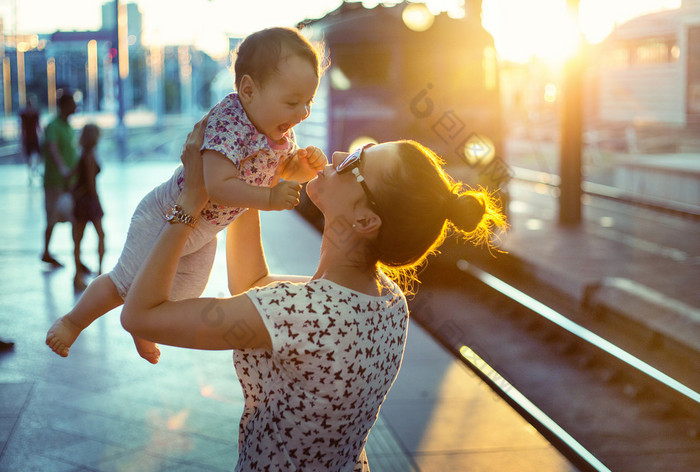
(326, 290)
(277, 296)
(387, 290)
(289, 289)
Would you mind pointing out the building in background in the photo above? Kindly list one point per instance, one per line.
(648, 69)
(85, 63)
(645, 79)
(642, 87)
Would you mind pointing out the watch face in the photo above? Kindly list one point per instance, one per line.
(170, 215)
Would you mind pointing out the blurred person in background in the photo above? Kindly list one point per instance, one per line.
(30, 135)
(60, 158)
(86, 201)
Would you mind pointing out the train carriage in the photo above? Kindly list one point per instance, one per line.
(398, 72)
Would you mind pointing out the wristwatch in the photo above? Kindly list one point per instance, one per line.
(177, 215)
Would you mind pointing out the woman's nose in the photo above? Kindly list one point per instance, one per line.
(337, 158)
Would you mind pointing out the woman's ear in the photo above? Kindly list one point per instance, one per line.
(247, 89)
(367, 222)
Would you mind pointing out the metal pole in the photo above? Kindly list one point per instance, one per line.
(156, 63)
(2, 62)
(571, 129)
(92, 76)
(185, 66)
(51, 84)
(21, 80)
(7, 85)
(120, 36)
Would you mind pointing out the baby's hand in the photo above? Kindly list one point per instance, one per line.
(304, 164)
(314, 157)
(284, 195)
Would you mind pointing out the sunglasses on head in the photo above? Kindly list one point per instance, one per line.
(352, 163)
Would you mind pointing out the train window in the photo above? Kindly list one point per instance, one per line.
(642, 52)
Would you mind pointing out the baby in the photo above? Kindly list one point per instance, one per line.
(248, 142)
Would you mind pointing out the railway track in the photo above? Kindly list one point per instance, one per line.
(603, 406)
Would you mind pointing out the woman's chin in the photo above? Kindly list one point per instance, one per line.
(313, 192)
(312, 196)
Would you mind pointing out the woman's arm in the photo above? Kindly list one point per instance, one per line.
(196, 323)
(245, 257)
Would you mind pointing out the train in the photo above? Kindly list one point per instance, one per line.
(400, 72)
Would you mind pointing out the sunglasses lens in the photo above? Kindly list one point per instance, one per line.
(347, 163)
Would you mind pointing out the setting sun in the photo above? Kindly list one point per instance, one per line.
(543, 29)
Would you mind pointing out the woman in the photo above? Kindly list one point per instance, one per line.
(315, 356)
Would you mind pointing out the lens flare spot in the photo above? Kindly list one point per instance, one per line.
(207, 391)
(417, 17)
(177, 421)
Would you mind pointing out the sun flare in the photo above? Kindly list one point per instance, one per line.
(545, 30)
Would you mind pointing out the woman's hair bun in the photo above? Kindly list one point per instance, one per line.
(464, 211)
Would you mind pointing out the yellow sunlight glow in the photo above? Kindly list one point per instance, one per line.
(543, 29)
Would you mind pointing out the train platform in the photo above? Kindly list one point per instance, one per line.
(639, 265)
(105, 409)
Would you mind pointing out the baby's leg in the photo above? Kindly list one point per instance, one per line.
(190, 280)
(193, 272)
(100, 297)
(146, 224)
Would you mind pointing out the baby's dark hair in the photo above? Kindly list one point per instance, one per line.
(419, 205)
(89, 136)
(259, 53)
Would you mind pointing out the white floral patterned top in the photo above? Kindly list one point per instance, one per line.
(230, 132)
(311, 401)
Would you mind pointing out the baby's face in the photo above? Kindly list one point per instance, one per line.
(284, 100)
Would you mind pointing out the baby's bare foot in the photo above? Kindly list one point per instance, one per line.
(147, 349)
(61, 335)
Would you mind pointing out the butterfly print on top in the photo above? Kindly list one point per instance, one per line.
(311, 401)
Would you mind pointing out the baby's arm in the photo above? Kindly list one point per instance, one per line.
(224, 187)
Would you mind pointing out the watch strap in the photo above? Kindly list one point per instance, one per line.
(177, 215)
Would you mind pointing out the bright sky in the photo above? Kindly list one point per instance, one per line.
(522, 28)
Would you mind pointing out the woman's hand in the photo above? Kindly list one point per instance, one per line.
(194, 194)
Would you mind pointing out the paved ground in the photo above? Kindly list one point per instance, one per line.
(105, 409)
